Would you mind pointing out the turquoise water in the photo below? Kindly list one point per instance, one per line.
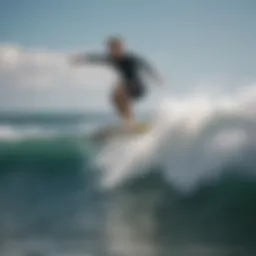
(52, 201)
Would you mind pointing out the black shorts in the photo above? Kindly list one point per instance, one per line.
(135, 88)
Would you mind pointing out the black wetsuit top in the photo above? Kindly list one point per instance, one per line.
(129, 67)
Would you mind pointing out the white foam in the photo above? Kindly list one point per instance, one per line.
(10, 133)
(7, 133)
(191, 139)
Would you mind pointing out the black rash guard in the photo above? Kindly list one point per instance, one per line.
(128, 67)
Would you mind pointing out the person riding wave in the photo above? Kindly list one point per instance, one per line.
(131, 87)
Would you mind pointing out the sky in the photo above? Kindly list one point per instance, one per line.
(199, 45)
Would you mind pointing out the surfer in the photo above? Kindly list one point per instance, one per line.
(130, 88)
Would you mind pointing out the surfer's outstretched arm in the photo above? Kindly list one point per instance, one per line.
(89, 58)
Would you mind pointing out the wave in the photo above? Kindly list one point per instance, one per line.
(191, 181)
(217, 212)
(40, 145)
(190, 140)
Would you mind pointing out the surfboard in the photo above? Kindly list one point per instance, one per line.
(111, 132)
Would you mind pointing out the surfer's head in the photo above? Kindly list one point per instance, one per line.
(116, 46)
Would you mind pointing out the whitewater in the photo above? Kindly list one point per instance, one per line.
(191, 139)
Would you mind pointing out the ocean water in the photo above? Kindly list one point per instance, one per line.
(188, 187)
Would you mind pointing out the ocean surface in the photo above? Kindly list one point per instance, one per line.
(188, 187)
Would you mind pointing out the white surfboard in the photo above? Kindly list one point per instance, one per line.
(112, 132)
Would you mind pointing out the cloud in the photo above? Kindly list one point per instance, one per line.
(41, 79)
(44, 69)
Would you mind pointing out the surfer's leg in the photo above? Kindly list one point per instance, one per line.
(123, 104)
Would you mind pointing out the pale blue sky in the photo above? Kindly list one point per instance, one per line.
(191, 41)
